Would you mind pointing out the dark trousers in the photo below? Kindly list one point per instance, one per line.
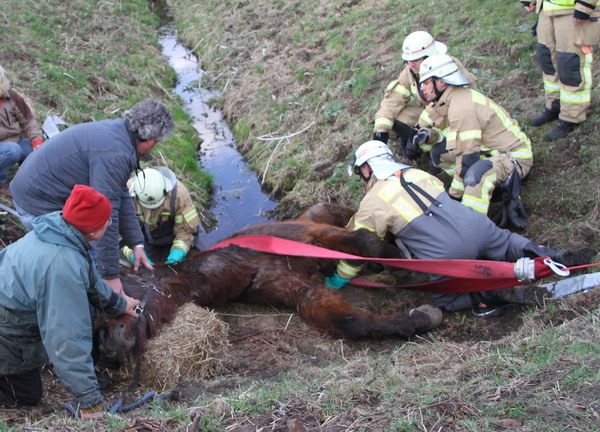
(21, 390)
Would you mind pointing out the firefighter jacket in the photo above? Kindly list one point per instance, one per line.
(17, 119)
(405, 91)
(472, 123)
(176, 220)
(579, 9)
(391, 206)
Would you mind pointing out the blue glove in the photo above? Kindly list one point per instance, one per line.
(175, 256)
(335, 281)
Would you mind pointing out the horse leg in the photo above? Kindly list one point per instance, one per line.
(325, 309)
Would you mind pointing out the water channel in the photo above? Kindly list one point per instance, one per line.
(238, 198)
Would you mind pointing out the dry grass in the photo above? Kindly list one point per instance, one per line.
(193, 346)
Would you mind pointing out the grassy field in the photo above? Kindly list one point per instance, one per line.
(319, 68)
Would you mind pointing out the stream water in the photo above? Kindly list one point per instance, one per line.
(238, 198)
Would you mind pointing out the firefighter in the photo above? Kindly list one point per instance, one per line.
(413, 206)
(403, 101)
(566, 33)
(472, 138)
(166, 213)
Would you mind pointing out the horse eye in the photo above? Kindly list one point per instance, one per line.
(106, 321)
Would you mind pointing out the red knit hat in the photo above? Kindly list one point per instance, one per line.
(86, 209)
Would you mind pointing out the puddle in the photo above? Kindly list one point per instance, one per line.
(238, 198)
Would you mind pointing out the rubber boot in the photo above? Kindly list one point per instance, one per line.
(547, 115)
(561, 130)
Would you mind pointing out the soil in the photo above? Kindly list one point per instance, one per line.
(266, 343)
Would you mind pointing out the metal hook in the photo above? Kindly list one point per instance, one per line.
(556, 267)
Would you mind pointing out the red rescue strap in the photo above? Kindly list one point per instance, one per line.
(469, 275)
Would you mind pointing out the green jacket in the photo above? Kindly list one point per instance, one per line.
(48, 280)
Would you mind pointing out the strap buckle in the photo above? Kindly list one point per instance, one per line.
(558, 268)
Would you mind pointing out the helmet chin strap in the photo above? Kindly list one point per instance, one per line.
(363, 178)
(438, 93)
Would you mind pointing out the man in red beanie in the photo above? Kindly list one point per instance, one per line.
(48, 281)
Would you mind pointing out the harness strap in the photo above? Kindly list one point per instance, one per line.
(410, 188)
(468, 275)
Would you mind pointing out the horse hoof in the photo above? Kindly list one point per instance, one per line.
(433, 314)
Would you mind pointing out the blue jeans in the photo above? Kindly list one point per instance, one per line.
(12, 153)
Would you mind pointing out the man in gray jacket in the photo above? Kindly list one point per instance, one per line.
(102, 155)
(48, 280)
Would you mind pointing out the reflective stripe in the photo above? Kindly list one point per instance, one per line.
(190, 215)
(474, 134)
(178, 244)
(358, 226)
(403, 91)
(478, 98)
(383, 121)
(551, 86)
(178, 219)
(584, 95)
(558, 5)
(482, 203)
(349, 271)
(457, 184)
(424, 117)
(513, 128)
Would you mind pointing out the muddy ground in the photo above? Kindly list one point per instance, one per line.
(265, 343)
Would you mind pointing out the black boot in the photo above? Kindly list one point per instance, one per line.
(561, 130)
(547, 115)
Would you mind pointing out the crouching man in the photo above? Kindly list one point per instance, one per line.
(413, 206)
(48, 281)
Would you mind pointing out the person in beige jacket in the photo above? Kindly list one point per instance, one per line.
(166, 213)
(471, 137)
(403, 101)
(567, 30)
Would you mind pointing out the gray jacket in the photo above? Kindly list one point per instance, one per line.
(99, 154)
(48, 280)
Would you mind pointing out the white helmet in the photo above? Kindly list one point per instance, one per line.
(421, 44)
(442, 67)
(380, 159)
(149, 186)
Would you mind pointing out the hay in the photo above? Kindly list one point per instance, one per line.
(193, 346)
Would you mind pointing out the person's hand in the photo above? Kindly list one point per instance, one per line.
(131, 305)
(115, 284)
(336, 282)
(530, 7)
(381, 136)
(437, 151)
(139, 255)
(36, 143)
(413, 148)
(175, 256)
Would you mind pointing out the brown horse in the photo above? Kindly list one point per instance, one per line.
(229, 274)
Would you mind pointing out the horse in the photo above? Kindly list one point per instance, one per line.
(234, 274)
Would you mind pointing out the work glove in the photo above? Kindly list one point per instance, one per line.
(175, 256)
(437, 151)
(413, 148)
(128, 253)
(335, 281)
(467, 162)
(513, 211)
(381, 136)
(36, 143)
